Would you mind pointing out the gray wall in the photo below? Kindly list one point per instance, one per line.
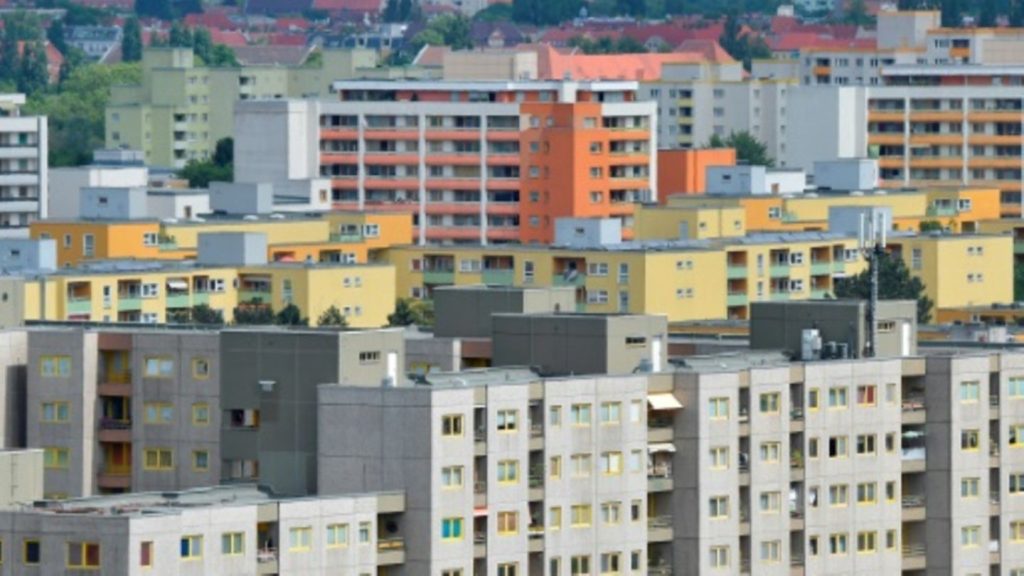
(465, 312)
(24, 254)
(232, 248)
(21, 476)
(112, 203)
(562, 344)
(587, 232)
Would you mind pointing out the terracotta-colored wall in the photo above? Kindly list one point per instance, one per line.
(683, 171)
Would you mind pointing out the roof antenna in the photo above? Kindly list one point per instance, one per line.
(872, 247)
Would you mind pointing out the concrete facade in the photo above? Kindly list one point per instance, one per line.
(466, 312)
(24, 168)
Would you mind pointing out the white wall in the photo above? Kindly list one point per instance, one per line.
(65, 185)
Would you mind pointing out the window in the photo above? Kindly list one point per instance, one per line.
(555, 518)
(838, 495)
(508, 523)
(508, 471)
(1016, 436)
(55, 412)
(866, 542)
(30, 552)
(770, 502)
(451, 529)
(1016, 387)
(1017, 531)
(581, 465)
(611, 463)
(837, 544)
(610, 563)
(890, 539)
(837, 447)
(200, 414)
(149, 290)
(191, 547)
(636, 411)
(580, 414)
(866, 395)
(718, 507)
(580, 515)
(890, 491)
(451, 425)
(969, 487)
(508, 569)
(555, 416)
(719, 557)
(364, 532)
(55, 366)
(635, 508)
(720, 458)
(451, 476)
(1016, 483)
(718, 408)
(812, 447)
(369, 357)
(55, 458)
(770, 451)
(837, 398)
(812, 398)
(579, 566)
(200, 368)
(158, 413)
(200, 460)
(555, 467)
(771, 551)
(232, 543)
(337, 535)
(969, 439)
(770, 403)
(866, 493)
(146, 554)
(158, 367)
(83, 555)
(157, 459)
(611, 512)
(88, 245)
(969, 536)
(970, 391)
(865, 444)
(610, 412)
(300, 539)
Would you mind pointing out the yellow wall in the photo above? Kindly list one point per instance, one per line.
(186, 235)
(947, 263)
(664, 223)
(112, 240)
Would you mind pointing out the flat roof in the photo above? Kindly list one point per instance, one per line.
(482, 85)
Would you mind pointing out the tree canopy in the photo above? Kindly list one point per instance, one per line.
(409, 312)
(450, 30)
(332, 317)
(749, 150)
(894, 283)
(218, 168)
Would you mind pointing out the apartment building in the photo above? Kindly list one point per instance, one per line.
(268, 398)
(348, 237)
(181, 108)
(474, 162)
(504, 473)
(23, 167)
(124, 411)
(229, 530)
(700, 100)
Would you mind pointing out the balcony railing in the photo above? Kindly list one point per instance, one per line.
(114, 424)
(390, 544)
(266, 555)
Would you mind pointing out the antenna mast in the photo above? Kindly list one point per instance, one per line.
(872, 248)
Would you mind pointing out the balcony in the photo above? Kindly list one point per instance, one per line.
(266, 560)
(129, 302)
(346, 238)
(111, 430)
(79, 305)
(178, 300)
(261, 294)
(569, 278)
(779, 270)
(736, 299)
(913, 507)
(115, 477)
(391, 551)
(439, 276)
(659, 529)
(914, 556)
(941, 211)
(821, 267)
(499, 277)
(736, 272)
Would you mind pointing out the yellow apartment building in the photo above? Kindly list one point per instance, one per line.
(688, 222)
(956, 209)
(347, 237)
(156, 292)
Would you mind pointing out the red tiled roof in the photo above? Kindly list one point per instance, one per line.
(711, 50)
(349, 5)
(802, 40)
(431, 56)
(54, 59)
(287, 39)
(122, 4)
(233, 38)
(553, 65)
(211, 20)
(291, 23)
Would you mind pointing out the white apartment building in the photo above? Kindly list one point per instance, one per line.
(229, 530)
(23, 167)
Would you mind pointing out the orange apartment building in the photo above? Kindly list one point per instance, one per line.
(685, 171)
(474, 162)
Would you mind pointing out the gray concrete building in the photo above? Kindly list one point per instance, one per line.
(569, 343)
(21, 476)
(465, 311)
(268, 396)
(229, 530)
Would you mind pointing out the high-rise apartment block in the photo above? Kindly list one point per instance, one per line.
(23, 167)
(474, 162)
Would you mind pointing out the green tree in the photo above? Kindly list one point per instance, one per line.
(160, 9)
(131, 41)
(857, 14)
(10, 60)
(203, 314)
(749, 150)
(180, 36)
(407, 313)
(545, 12)
(253, 312)
(1016, 13)
(290, 315)
(894, 283)
(55, 34)
(930, 226)
(22, 25)
(218, 168)
(1018, 283)
(952, 13)
(222, 56)
(34, 74)
(988, 13)
(202, 44)
(332, 317)
(495, 13)
(450, 30)
(224, 152)
(75, 110)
